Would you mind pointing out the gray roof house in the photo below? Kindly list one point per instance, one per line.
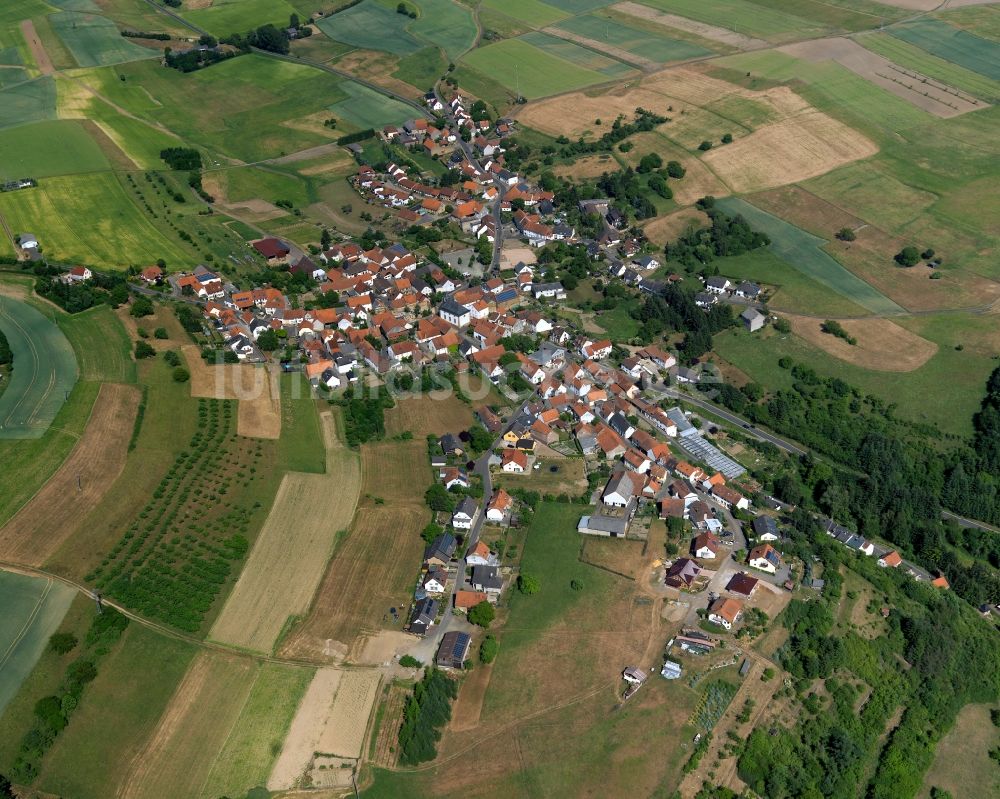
(423, 615)
(753, 319)
(487, 578)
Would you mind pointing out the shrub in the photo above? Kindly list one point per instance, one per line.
(576, 585)
(61, 643)
(488, 649)
(908, 256)
(782, 325)
(675, 170)
(482, 615)
(143, 350)
(410, 662)
(181, 375)
(846, 234)
(727, 138)
(160, 333)
(141, 306)
(705, 145)
(527, 584)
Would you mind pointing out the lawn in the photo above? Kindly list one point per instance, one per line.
(528, 70)
(802, 250)
(618, 322)
(45, 149)
(28, 463)
(952, 44)
(912, 57)
(367, 108)
(239, 16)
(45, 370)
(33, 101)
(90, 219)
(578, 54)
(634, 40)
(95, 41)
(743, 16)
(533, 12)
(118, 711)
(962, 763)
(33, 609)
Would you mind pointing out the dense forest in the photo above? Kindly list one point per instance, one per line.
(895, 478)
(674, 310)
(725, 236)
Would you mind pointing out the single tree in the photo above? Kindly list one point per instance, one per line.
(482, 615)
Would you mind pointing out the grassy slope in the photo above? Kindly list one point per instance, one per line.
(91, 757)
(49, 148)
(538, 74)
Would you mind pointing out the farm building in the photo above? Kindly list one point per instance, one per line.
(453, 651)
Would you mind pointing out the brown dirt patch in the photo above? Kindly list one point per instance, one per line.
(716, 34)
(398, 472)
(592, 166)
(256, 389)
(667, 228)
(209, 698)
(426, 414)
(882, 345)
(118, 158)
(381, 648)
(307, 726)
(162, 317)
(794, 149)
(925, 93)
(41, 58)
(469, 705)
(48, 519)
(290, 555)
(392, 717)
(377, 67)
(253, 210)
(621, 557)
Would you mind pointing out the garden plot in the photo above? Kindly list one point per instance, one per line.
(925, 93)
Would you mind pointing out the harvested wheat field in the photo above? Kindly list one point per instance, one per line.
(469, 706)
(800, 147)
(290, 555)
(49, 518)
(332, 718)
(398, 472)
(882, 345)
(256, 388)
(712, 32)
(663, 229)
(591, 166)
(344, 732)
(426, 414)
(176, 761)
(307, 726)
(925, 93)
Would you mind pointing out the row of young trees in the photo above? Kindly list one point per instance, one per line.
(427, 710)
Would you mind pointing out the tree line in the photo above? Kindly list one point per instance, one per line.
(427, 710)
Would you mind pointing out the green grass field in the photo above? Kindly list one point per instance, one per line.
(744, 16)
(95, 41)
(849, 15)
(141, 142)
(422, 68)
(912, 57)
(90, 218)
(249, 107)
(11, 77)
(447, 24)
(28, 463)
(520, 66)
(577, 54)
(117, 713)
(246, 757)
(239, 16)
(579, 6)
(371, 26)
(44, 373)
(802, 250)
(102, 346)
(366, 108)
(797, 292)
(136, 15)
(533, 12)
(33, 101)
(634, 40)
(44, 149)
(33, 608)
(951, 44)
(246, 183)
(917, 394)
